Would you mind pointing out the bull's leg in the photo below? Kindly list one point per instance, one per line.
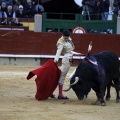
(101, 81)
(117, 90)
(98, 94)
(117, 96)
(102, 94)
(108, 92)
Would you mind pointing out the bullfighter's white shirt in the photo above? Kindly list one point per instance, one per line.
(64, 48)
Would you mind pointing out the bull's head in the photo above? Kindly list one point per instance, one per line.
(78, 87)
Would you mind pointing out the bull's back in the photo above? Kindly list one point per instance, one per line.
(109, 61)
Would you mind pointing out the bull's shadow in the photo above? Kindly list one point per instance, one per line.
(74, 101)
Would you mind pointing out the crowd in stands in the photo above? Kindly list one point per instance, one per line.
(116, 5)
(16, 9)
(99, 9)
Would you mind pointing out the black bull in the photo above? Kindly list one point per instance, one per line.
(98, 71)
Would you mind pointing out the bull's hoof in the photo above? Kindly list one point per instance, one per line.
(117, 100)
(80, 98)
(85, 96)
(101, 103)
(107, 99)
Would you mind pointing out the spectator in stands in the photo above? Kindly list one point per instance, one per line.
(30, 10)
(16, 4)
(116, 5)
(8, 2)
(10, 14)
(88, 6)
(20, 14)
(96, 10)
(3, 17)
(104, 9)
(119, 13)
(3, 7)
(38, 6)
(23, 2)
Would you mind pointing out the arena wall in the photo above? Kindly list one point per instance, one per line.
(38, 47)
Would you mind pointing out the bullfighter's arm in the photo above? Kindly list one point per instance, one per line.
(58, 53)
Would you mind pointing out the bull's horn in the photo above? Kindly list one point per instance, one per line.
(67, 89)
(76, 81)
(71, 75)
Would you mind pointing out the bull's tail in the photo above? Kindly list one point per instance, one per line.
(115, 86)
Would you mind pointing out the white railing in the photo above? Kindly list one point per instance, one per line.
(36, 56)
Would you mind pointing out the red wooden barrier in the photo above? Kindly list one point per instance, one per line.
(18, 42)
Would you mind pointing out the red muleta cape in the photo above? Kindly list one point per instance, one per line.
(47, 79)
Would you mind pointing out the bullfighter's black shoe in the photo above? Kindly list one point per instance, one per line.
(63, 97)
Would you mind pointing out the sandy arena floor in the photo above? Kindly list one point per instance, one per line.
(17, 100)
